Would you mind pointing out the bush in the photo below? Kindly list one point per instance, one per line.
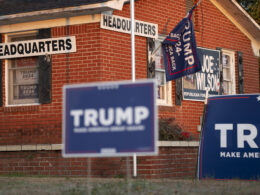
(169, 130)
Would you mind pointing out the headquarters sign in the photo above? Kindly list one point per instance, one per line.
(122, 24)
(37, 47)
(110, 119)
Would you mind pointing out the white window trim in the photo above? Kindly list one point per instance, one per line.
(7, 62)
(168, 91)
(232, 69)
(168, 95)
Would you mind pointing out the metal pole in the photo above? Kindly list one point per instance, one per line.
(132, 9)
(133, 38)
(134, 166)
(89, 176)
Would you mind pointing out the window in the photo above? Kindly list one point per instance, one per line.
(228, 72)
(156, 69)
(22, 76)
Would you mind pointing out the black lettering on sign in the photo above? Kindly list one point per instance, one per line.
(114, 22)
(118, 23)
(123, 24)
(35, 49)
(145, 29)
(149, 30)
(141, 24)
(20, 49)
(54, 45)
(68, 44)
(28, 47)
(48, 45)
(61, 45)
(104, 20)
(128, 25)
(13, 49)
(41, 46)
(6, 50)
(109, 21)
(153, 31)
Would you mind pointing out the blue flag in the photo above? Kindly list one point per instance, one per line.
(180, 50)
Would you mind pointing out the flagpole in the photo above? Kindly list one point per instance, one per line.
(198, 2)
(133, 65)
(132, 39)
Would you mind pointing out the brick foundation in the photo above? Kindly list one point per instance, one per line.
(171, 162)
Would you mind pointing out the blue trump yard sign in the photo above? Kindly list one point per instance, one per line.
(230, 139)
(110, 119)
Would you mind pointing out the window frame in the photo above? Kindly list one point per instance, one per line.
(231, 54)
(8, 63)
(167, 87)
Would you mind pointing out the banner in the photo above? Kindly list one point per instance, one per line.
(180, 50)
(195, 85)
(230, 140)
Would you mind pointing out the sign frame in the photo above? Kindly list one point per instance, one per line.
(111, 86)
(114, 27)
(229, 144)
(201, 98)
(38, 47)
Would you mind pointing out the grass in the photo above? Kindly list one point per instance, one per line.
(78, 186)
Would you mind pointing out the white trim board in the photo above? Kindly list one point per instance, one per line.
(53, 147)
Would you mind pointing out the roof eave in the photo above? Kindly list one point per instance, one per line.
(247, 21)
(242, 20)
(62, 12)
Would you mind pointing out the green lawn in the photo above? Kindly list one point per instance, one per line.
(74, 186)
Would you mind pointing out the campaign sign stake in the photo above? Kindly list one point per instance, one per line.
(110, 119)
(230, 139)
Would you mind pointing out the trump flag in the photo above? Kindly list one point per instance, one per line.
(180, 50)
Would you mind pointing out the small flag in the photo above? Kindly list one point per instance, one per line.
(180, 50)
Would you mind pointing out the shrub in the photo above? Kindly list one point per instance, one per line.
(169, 130)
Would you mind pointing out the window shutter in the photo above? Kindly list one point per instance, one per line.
(220, 72)
(1, 78)
(150, 61)
(240, 72)
(45, 64)
(178, 91)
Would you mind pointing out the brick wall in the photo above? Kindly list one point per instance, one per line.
(172, 162)
(104, 55)
(213, 30)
